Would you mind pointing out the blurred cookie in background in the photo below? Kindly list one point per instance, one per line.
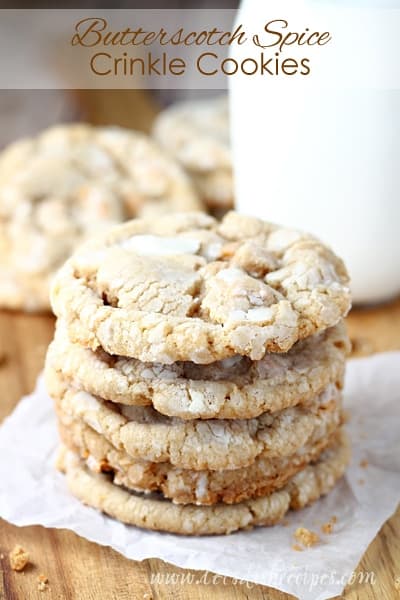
(196, 133)
(67, 184)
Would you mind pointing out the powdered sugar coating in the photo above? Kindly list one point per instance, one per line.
(185, 486)
(190, 307)
(235, 388)
(210, 444)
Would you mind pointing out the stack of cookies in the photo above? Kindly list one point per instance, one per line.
(197, 370)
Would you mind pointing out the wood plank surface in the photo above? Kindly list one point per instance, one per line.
(80, 570)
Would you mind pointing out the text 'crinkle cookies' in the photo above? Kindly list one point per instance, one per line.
(197, 372)
(68, 183)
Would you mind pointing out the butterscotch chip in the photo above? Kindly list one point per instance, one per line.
(158, 290)
(19, 558)
(68, 184)
(306, 537)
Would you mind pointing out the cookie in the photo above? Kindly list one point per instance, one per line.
(185, 486)
(188, 288)
(213, 444)
(197, 135)
(152, 511)
(236, 388)
(68, 183)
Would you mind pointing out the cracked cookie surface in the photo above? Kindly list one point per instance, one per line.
(185, 486)
(190, 288)
(236, 388)
(153, 511)
(200, 444)
(68, 183)
(197, 135)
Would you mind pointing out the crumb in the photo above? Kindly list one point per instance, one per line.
(361, 481)
(19, 558)
(364, 463)
(42, 582)
(397, 584)
(327, 528)
(297, 548)
(306, 537)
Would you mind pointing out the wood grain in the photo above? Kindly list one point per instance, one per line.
(80, 570)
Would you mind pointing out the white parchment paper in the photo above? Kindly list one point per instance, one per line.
(32, 492)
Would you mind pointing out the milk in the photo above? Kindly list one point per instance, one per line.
(324, 155)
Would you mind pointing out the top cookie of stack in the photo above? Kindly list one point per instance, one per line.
(69, 182)
(188, 288)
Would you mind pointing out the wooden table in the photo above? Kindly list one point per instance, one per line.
(80, 570)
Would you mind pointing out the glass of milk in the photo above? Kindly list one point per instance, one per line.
(322, 152)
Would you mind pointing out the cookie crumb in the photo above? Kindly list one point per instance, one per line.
(328, 527)
(42, 582)
(19, 558)
(297, 548)
(361, 481)
(306, 537)
(364, 463)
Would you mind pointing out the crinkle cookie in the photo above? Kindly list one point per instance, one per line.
(197, 135)
(188, 288)
(185, 486)
(153, 511)
(214, 444)
(235, 388)
(68, 183)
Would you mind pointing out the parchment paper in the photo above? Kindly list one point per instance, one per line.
(32, 492)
